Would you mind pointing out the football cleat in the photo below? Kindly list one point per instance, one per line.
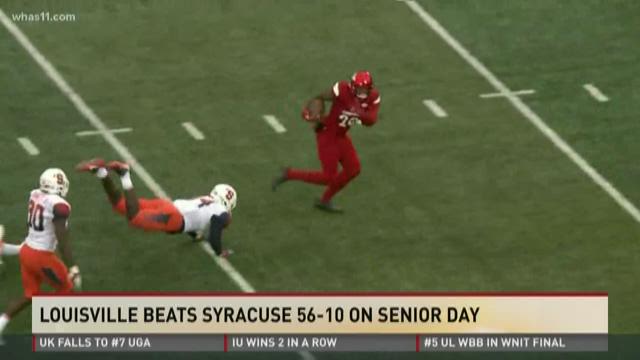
(119, 167)
(328, 207)
(280, 179)
(90, 165)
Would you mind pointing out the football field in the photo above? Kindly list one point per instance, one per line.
(522, 178)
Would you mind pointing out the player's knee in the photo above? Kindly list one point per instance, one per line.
(120, 206)
(130, 215)
(132, 211)
(353, 172)
(30, 293)
(329, 176)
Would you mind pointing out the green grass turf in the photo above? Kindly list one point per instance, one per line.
(477, 201)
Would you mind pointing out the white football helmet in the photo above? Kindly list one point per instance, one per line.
(54, 181)
(225, 194)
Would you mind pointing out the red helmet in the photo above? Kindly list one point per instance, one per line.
(362, 79)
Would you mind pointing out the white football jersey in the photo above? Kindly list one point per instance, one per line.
(42, 235)
(198, 212)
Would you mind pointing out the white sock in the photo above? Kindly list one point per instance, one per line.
(4, 320)
(126, 181)
(102, 173)
(10, 249)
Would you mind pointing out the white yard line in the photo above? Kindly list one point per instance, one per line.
(595, 92)
(274, 123)
(435, 108)
(98, 132)
(193, 131)
(118, 146)
(512, 93)
(517, 103)
(28, 146)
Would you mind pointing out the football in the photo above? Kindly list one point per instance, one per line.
(316, 108)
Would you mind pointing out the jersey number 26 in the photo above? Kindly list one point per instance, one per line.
(348, 119)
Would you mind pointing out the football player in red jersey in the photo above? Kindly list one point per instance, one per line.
(354, 102)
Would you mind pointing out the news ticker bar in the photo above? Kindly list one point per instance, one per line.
(321, 343)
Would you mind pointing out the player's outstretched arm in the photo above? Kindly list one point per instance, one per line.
(60, 217)
(218, 223)
(7, 249)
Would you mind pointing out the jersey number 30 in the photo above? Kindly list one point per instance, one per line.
(35, 218)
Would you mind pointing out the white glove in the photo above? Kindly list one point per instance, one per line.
(74, 276)
(226, 253)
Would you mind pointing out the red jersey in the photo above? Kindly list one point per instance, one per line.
(348, 110)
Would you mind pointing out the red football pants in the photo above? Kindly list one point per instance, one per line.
(331, 151)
